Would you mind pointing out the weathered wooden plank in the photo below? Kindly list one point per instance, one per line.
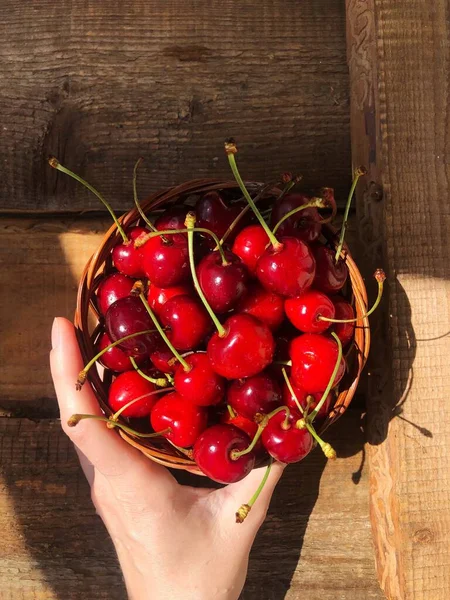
(101, 83)
(315, 543)
(399, 67)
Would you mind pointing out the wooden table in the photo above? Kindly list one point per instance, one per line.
(99, 84)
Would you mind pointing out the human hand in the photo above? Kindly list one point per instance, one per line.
(173, 541)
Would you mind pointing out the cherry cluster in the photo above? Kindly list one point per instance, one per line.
(224, 326)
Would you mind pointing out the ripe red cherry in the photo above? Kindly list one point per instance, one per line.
(201, 385)
(172, 218)
(343, 310)
(126, 258)
(286, 445)
(112, 288)
(166, 261)
(304, 225)
(313, 360)
(248, 427)
(115, 358)
(263, 305)
(289, 271)
(188, 321)
(127, 387)
(245, 350)
(257, 394)
(161, 358)
(212, 213)
(288, 400)
(303, 311)
(158, 296)
(223, 285)
(250, 245)
(213, 450)
(128, 316)
(186, 421)
(330, 276)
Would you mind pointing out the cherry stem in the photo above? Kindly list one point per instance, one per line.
(319, 405)
(293, 394)
(186, 451)
(327, 448)
(380, 277)
(286, 363)
(230, 149)
(314, 203)
(236, 454)
(54, 162)
(82, 375)
(162, 333)
(231, 412)
(243, 511)
(117, 414)
(358, 173)
(135, 196)
(160, 381)
(190, 222)
(75, 419)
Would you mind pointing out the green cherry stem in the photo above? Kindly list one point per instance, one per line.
(235, 454)
(190, 222)
(314, 203)
(293, 394)
(231, 412)
(327, 448)
(135, 196)
(230, 149)
(75, 419)
(54, 162)
(313, 414)
(160, 381)
(380, 276)
(242, 512)
(359, 172)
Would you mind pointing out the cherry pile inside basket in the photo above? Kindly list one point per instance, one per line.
(224, 328)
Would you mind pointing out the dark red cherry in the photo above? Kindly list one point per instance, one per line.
(213, 453)
(115, 358)
(263, 305)
(165, 260)
(304, 311)
(245, 350)
(112, 288)
(250, 244)
(126, 258)
(223, 285)
(172, 218)
(304, 225)
(313, 360)
(288, 400)
(158, 296)
(343, 310)
(201, 385)
(162, 360)
(330, 276)
(284, 441)
(257, 394)
(129, 386)
(289, 271)
(212, 213)
(185, 420)
(188, 321)
(126, 317)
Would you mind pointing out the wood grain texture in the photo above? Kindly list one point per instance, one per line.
(101, 83)
(54, 547)
(399, 69)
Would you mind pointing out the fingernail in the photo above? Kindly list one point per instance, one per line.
(55, 333)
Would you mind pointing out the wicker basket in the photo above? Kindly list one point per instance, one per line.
(158, 449)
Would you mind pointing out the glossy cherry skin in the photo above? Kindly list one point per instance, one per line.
(257, 394)
(343, 310)
(127, 316)
(166, 261)
(185, 420)
(188, 321)
(172, 218)
(250, 244)
(313, 360)
(245, 350)
(161, 359)
(158, 296)
(289, 271)
(115, 358)
(201, 385)
(127, 387)
(304, 311)
(248, 426)
(286, 445)
(330, 276)
(212, 453)
(265, 306)
(126, 258)
(304, 225)
(288, 400)
(223, 285)
(212, 213)
(112, 288)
